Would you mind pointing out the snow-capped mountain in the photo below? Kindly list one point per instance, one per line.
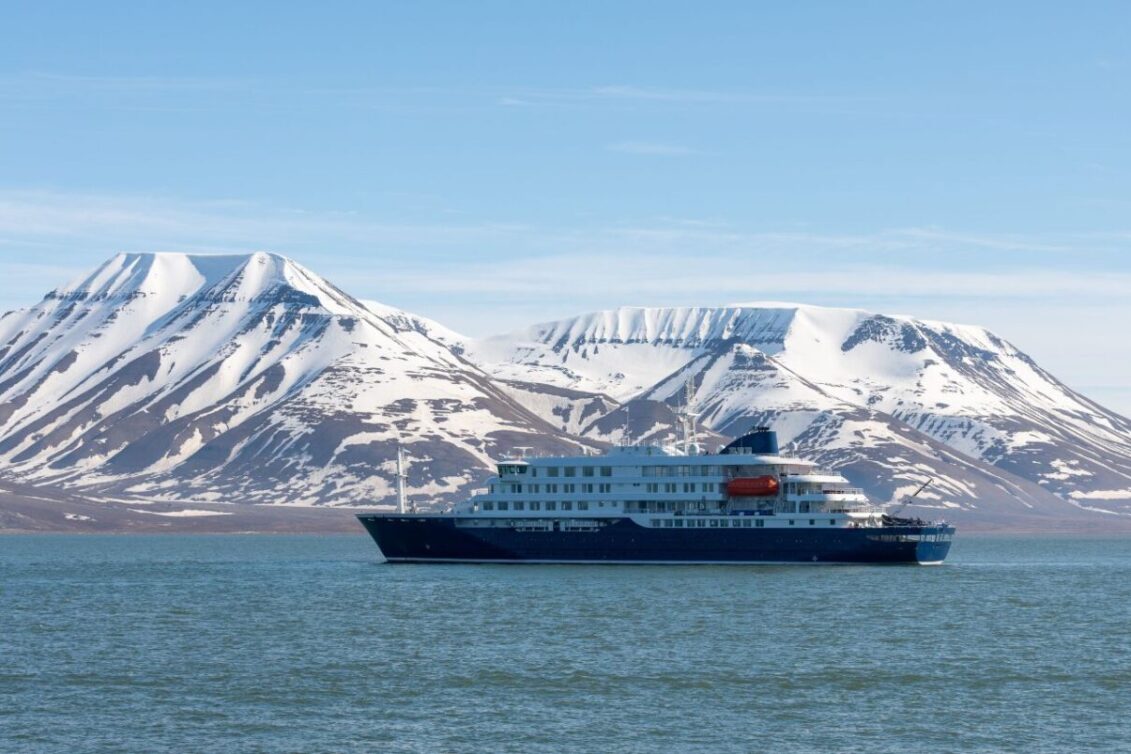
(250, 379)
(241, 378)
(886, 398)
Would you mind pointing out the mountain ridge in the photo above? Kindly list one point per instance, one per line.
(961, 385)
(155, 377)
(250, 378)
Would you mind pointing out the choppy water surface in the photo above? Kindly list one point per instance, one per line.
(307, 644)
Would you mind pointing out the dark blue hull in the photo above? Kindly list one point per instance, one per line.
(423, 538)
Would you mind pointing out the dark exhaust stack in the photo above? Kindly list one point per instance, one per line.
(758, 441)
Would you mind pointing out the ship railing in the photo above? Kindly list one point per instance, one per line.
(679, 507)
(818, 496)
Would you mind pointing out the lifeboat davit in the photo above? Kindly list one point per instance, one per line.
(753, 486)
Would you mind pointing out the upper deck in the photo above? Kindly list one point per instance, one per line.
(658, 480)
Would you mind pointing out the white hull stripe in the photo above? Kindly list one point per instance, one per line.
(660, 562)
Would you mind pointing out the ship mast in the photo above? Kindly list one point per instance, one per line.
(687, 415)
(402, 477)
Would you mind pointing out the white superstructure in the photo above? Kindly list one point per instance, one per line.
(666, 488)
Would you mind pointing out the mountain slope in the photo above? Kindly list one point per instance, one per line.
(250, 379)
(241, 378)
(958, 387)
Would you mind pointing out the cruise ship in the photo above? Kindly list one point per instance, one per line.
(745, 504)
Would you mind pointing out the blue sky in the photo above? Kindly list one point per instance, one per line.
(494, 164)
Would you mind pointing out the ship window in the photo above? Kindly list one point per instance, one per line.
(606, 471)
(586, 471)
(792, 522)
(571, 471)
(679, 523)
(583, 505)
(535, 505)
(832, 522)
(735, 523)
(535, 488)
(502, 506)
(551, 488)
(568, 487)
(519, 505)
(488, 506)
(759, 522)
(551, 505)
(567, 505)
(606, 487)
(668, 523)
(552, 471)
(657, 523)
(812, 522)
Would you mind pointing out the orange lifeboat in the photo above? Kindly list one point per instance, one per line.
(756, 486)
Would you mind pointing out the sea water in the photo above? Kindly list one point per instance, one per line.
(310, 644)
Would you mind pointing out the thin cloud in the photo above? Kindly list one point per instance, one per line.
(636, 96)
(641, 276)
(651, 148)
(687, 96)
(668, 257)
(41, 88)
(170, 223)
(36, 85)
(1066, 293)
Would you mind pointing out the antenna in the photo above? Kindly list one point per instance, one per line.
(522, 450)
(402, 477)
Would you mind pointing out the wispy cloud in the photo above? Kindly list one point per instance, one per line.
(36, 87)
(649, 278)
(691, 96)
(43, 88)
(169, 223)
(664, 95)
(674, 258)
(64, 81)
(1067, 294)
(651, 148)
